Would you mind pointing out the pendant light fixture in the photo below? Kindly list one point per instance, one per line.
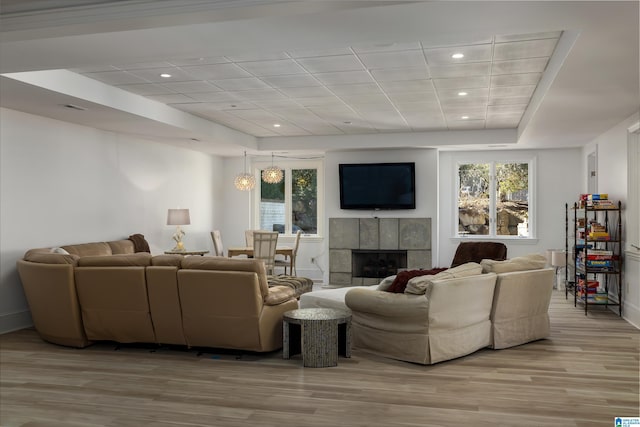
(272, 174)
(245, 181)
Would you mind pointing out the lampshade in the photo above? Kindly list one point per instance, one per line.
(558, 259)
(245, 181)
(272, 174)
(178, 217)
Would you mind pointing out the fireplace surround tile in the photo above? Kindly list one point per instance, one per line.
(388, 233)
(369, 235)
(340, 260)
(344, 233)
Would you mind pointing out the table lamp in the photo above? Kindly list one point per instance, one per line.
(178, 217)
(558, 260)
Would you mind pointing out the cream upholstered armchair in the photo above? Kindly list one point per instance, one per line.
(451, 318)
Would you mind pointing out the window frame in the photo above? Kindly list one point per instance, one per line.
(492, 162)
(287, 166)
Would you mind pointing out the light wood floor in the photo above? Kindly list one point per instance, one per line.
(586, 374)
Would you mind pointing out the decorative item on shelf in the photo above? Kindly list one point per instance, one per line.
(245, 181)
(178, 217)
(272, 174)
(558, 260)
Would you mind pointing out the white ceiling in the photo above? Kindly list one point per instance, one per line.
(550, 74)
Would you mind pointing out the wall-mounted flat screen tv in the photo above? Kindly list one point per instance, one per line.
(377, 186)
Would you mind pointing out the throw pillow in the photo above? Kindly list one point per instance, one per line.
(400, 282)
(59, 251)
(419, 285)
(386, 283)
(523, 263)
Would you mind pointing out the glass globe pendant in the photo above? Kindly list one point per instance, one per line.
(245, 181)
(272, 174)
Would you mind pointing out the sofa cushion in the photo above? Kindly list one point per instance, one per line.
(89, 249)
(126, 260)
(419, 285)
(523, 263)
(229, 264)
(167, 260)
(386, 283)
(400, 282)
(121, 247)
(45, 257)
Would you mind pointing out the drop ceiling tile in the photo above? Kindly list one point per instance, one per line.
(191, 87)
(258, 95)
(425, 118)
(272, 68)
(143, 65)
(320, 129)
(356, 127)
(458, 113)
(418, 107)
(532, 65)
(199, 61)
(396, 59)
(344, 77)
(115, 77)
(453, 40)
(291, 80)
(295, 114)
(480, 92)
(213, 96)
(244, 83)
(426, 123)
(400, 74)
(289, 129)
(506, 109)
(258, 56)
(467, 103)
(363, 98)
(154, 75)
(277, 103)
(385, 47)
(504, 91)
(524, 49)
(215, 71)
(93, 69)
(462, 82)
(325, 64)
(310, 53)
(530, 36)
(473, 53)
(413, 97)
(407, 86)
(353, 89)
(306, 92)
(498, 100)
(173, 98)
(470, 69)
(146, 89)
(321, 101)
(516, 79)
(232, 106)
(256, 115)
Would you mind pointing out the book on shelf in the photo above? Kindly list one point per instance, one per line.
(600, 252)
(601, 196)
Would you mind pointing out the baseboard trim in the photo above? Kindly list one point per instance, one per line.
(10, 322)
(631, 314)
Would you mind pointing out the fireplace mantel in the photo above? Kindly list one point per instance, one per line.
(348, 234)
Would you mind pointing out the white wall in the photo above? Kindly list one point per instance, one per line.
(557, 182)
(612, 147)
(64, 184)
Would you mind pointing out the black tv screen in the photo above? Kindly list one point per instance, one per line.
(377, 186)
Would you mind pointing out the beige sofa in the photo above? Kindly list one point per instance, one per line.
(495, 304)
(104, 291)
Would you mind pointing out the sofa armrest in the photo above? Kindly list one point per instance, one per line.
(279, 294)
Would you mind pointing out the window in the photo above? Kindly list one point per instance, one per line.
(293, 203)
(494, 199)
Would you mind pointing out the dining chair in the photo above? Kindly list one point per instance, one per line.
(217, 242)
(248, 237)
(291, 261)
(264, 248)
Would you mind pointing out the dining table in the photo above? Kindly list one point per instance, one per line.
(287, 251)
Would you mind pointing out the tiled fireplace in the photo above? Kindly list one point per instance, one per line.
(362, 250)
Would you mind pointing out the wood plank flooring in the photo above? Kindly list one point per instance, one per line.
(585, 374)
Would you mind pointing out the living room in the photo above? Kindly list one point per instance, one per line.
(68, 178)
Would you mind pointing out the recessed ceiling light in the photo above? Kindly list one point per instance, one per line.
(457, 55)
(462, 94)
(464, 117)
(165, 75)
(276, 125)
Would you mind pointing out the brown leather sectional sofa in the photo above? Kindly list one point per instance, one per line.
(105, 291)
